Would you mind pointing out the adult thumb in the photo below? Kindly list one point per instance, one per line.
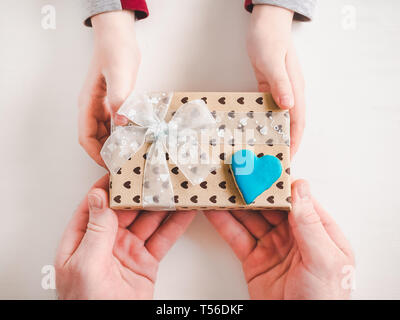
(102, 226)
(280, 85)
(311, 237)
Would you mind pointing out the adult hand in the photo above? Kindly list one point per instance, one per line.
(114, 255)
(111, 78)
(275, 64)
(300, 255)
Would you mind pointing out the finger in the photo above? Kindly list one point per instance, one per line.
(88, 136)
(102, 131)
(297, 113)
(102, 226)
(120, 120)
(233, 232)
(168, 233)
(333, 229)
(76, 227)
(297, 123)
(253, 221)
(126, 217)
(130, 251)
(147, 222)
(93, 148)
(274, 218)
(119, 86)
(311, 237)
(279, 82)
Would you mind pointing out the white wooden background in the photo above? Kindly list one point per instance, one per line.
(350, 151)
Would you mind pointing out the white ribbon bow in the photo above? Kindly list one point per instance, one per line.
(181, 138)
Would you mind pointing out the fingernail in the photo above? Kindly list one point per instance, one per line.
(303, 190)
(120, 120)
(95, 202)
(287, 100)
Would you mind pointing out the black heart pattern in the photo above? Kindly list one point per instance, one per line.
(221, 100)
(184, 99)
(175, 170)
(117, 199)
(271, 199)
(127, 184)
(232, 199)
(240, 100)
(184, 184)
(279, 185)
(136, 170)
(176, 198)
(193, 199)
(213, 199)
(279, 156)
(222, 184)
(136, 199)
(260, 100)
(203, 184)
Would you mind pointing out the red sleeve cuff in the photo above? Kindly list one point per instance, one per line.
(248, 5)
(139, 6)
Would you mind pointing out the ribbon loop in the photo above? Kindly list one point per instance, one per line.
(191, 126)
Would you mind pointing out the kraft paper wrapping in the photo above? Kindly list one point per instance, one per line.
(219, 190)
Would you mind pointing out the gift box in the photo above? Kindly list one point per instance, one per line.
(234, 127)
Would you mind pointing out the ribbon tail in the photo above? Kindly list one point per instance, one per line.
(158, 193)
(122, 144)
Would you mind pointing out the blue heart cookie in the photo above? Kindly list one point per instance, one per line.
(254, 175)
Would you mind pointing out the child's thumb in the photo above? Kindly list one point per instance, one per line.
(102, 226)
(280, 85)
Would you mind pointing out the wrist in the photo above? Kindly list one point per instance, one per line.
(272, 17)
(114, 26)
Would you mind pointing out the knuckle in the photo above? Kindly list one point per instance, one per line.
(310, 217)
(281, 84)
(306, 213)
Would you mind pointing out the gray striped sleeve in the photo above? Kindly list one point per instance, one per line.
(303, 9)
(93, 7)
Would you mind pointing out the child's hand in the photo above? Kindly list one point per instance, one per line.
(303, 255)
(109, 255)
(110, 80)
(275, 64)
